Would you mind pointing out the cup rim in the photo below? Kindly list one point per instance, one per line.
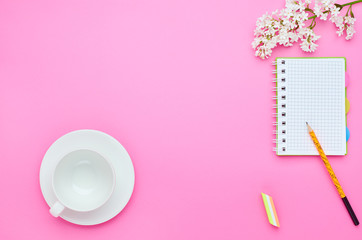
(106, 199)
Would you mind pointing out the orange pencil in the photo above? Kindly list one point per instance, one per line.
(333, 176)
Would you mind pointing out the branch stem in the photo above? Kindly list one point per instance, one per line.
(350, 3)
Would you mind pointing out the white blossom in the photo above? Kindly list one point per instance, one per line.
(334, 11)
(308, 38)
(324, 16)
(350, 31)
(317, 10)
(349, 20)
(327, 4)
(340, 31)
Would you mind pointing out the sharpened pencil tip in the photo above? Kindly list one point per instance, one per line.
(309, 128)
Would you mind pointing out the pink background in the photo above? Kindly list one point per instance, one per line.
(177, 83)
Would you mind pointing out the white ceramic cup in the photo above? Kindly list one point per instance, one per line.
(82, 181)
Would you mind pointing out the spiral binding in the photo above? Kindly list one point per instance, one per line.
(281, 105)
(282, 61)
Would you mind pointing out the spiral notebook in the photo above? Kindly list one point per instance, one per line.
(310, 90)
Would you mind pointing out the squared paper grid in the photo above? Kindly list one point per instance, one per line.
(315, 93)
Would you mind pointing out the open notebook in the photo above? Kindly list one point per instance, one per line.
(310, 90)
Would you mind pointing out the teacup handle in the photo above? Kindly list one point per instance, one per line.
(56, 209)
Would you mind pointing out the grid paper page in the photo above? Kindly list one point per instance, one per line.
(314, 92)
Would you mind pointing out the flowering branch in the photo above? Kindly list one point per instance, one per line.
(288, 25)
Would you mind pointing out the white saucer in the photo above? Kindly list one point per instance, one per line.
(106, 146)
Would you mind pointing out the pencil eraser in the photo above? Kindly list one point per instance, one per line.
(270, 210)
(347, 79)
(348, 105)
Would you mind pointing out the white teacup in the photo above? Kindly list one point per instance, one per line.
(82, 181)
